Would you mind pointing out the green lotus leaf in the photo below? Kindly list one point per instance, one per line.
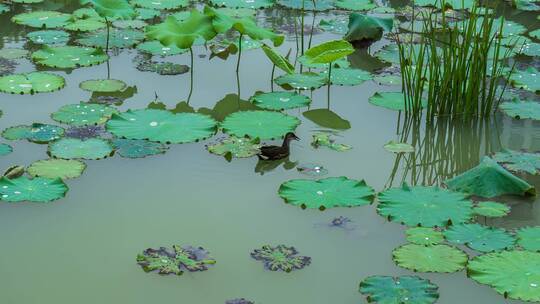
(87, 13)
(137, 148)
(156, 48)
(398, 147)
(328, 52)
(480, 238)
(308, 5)
(130, 24)
(280, 257)
(424, 236)
(363, 27)
(489, 179)
(259, 124)
(531, 49)
(391, 100)
(326, 193)
(251, 4)
(396, 290)
(146, 13)
(13, 53)
(424, 206)
(162, 126)
(161, 4)
(27, 1)
(236, 147)
(325, 140)
(57, 168)
(434, 258)
(42, 19)
(4, 8)
(119, 38)
(390, 53)
(455, 4)
(491, 209)
(535, 34)
(103, 85)
(37, 190)
(280, 100)
(73, 148)
(86, 25)
(304, 81)
(327, 119)
(175, 261)
(30, 83)
(521, 109)
(514, 274)
(237, 12)
(519, 161)
(336, 26)
(66, 57)
(112, 9)
(278, 60)
(48, 37)
(84, 114)
(528, 79)
(348, 76)
(528, 238)
(38, 133)
(355, 5)
(5, 149)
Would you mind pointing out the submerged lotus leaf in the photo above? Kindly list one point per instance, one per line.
(118, 38)
(424, 206)
(363, 27)
(491, 209)
(327, 119)
(326, 193)
(259, 124)
(56, 168)
(434, 258)
(308, 5)
(328, 52)
(392, 101)
(528, 238)
(348, 76)
(84, 132)
(10, 53)
(239, 301)
(514, 274)
(37, 190)
(236, 147)
(37, 132)
(480, 238)
(304, 81)
(280, 257)
(48, 37)
(137, 148)
(161, 4)
(325, 140)
(424, 236)
(251, 4)
(72, 148)
(112, 9)
(42, 19)
(312, 169)
(280, 100)
(521, 109)
(5, 149)
(30, 83)
(355, 5)
(155, 47)
(398, 147)
(84, 114)
(162, 126)
(103, 85)
(528, 79)
(278, 60)
(398, 290)
(66, 57)
(519, 161)
(489, 179)
(176, 260)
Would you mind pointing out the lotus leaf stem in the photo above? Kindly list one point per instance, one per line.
(239, 53)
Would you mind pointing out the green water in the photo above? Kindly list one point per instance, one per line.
(82, 248)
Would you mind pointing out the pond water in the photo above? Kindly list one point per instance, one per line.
(82, 248)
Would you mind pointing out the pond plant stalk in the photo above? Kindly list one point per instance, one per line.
(239, 53)
(191, 75)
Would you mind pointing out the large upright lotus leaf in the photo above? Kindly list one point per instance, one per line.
(112, 9)
(162, 126)
(304, 81)
(118, 38)
(42, 19)
(391, 100)
(519, 161)
(434, 258)
(355, 5)
(308, 5)
(56, 168)
(30, 83)
(72, 148)
(278, 60)
(66, 57)
(514, 274)
(326, 193)
(175, 260)
(328, 52)
(5, 149)
(183, 34)
(404, 289)
(364, 27)
(48, 37)
(528, 79)
(280, 100)
(137, 148)
(480, 238)
(161, 4)
(424, 206)
(489, 179)
(424, 236)
(236, 147)
(37, 132)
(491, 209)
(37, 190)
(84, 114)
(348, 76)
(103, 85)
(528, 238)
(259, 124)
(521, 109)
(155, 47)
(327, 119)
(251, 4)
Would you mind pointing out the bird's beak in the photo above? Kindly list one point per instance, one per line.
(296, 137)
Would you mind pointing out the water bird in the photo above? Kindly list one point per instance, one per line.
(277, 152)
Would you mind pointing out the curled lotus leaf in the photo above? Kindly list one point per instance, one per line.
(85, 132)
(5, 149)
(69, 57)
(155, 47)
(348, 76)
(73, 148)
(424, 206)
(278, 60)
(112, 9)
(176, 260)
(56, 168)
(37, 190)
(392, 101)
(479, 238)
(519, 161)
(103, 85)
(326, 193)
(30, 83)
(397, 147)
(14, 172)
(37, 132)
(118, 38)
(11, 53)
(491, 209)
(396, 290)
(519, 109)
(280, 257)
(236, 147)
(328, 52)
(307, 5)
(434, 258)
(137, 148)
(48, 37)
(251, 4)
(514, 274)
(42, 19)
(161, 4)
(424, 236)
(83, 114)
(303, 81)
(363, 27)
(280, 100)
(528, 238)
(259, 124)
(326, 140)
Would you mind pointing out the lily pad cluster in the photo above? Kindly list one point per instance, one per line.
(175, 260)
(280, 257)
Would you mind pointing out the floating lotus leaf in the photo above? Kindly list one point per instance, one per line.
(112, 9)
(13, 53)
(531, 49)
(4, 8)
(175, 260)
(528, 79)
(237, 12)
(397, 147)
(5, 149)
(434, 258)
(491, 209)
(84, 114)
(521, 109)
(84, 132)
(259, 124)
(118, 38)
(56, 168)
(38, 133)
(304, 81)
(236, 147)
(390, 53)
(156, 48)
(328, 52)
(42, 19)
(14, 172)
(326, 193)
(363, 27)
(455, 4)
(528, 238)
(48, 37)
(424, 206)
(312, 169)
(519, 161)
(424, 236)
(308, 5)
(280, 100)
(87, 13)
(328, 119)
(355, 5)
(535, 34)
(161, 4)
(325, 140)
(86, 25)
(66, 57)
(348, 76)
(336, 26)
(103, 85)
(252, 4)
(30, 83)
(146, 13)
(239, 301)
(489, 179)
(37, 190)
(162, 126)
(72, 148)
(280, 257)
(391, 100)
(526, 5)
(514, 274)
(278, 60)
(480, 238)
(397, 290)
(137, 148)
(340, 63)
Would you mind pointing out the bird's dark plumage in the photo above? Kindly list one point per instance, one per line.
(277, 152)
